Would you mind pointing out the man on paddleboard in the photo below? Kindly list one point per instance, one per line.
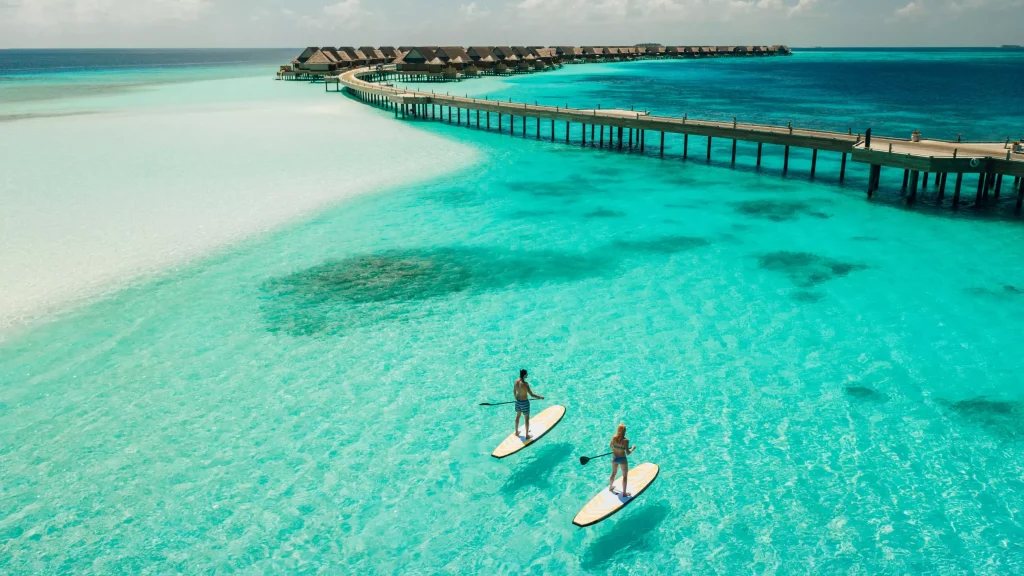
(522, 393)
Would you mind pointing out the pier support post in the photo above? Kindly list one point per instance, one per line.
(981, 190)
(709, 148)
(488, 121)
(583, 135)
(914, 176)
(538, 127)
(524, 126)
(956, 190)
(1020, 194)
(620, 137)
(449, 114)
(552, 129)
(842, 169)
(630, 138)
(591, 132)
(662, 144)
(686, 145)
(785, 162)
(643, 137)
(814, 161)
(761, 145)
(499, 122)
(477, 119)
(906, 178)
(567, 124)
(941, 179)
(938, 176)
(734, 152)
(600, 142)
(924, 184)
(999, 184)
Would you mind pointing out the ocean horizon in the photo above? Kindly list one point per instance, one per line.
(247, 325)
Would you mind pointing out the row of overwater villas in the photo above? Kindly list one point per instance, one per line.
(435, 59)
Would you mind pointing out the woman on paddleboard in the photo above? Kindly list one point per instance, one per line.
(620, 450)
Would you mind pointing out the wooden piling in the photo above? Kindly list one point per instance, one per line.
(709, 148)
(981, 190)
(956, 189)
(1020, 194)
(785, 162)
(600, 142)
(662, 153)
(914, 176)
(643, 138)
(734, 152)
(906, 178)
(814, 161)
(842, 168)
(760, 145)
(538, 127)
(630, 138)
(567, 124)
(686, 145)
(941, 179)
(620, 137)
(999, 185)
(552, 129)
(499, 122)
(924, 183)
(583, 135)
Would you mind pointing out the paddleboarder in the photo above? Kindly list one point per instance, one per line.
(522, 392)
(620, 450)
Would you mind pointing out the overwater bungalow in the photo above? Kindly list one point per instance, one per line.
(373, 55)
(655, 50)
(320, 61)
(524, 51)
(569, 53)
(478, 53)
(306, 54)
(449, 53)
(503, 52)
(417, 59)
(389, 52)
(592, 53)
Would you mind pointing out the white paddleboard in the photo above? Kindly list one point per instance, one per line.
(540, 424)
(608, 503)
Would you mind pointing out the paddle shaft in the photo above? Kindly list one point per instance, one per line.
(584, 459)
(498, 403)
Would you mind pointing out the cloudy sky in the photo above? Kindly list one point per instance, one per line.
(280, 23)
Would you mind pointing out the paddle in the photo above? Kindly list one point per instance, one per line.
(499, 403)
(585, 459)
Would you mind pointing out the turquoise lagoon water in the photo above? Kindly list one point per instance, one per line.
(830, 385)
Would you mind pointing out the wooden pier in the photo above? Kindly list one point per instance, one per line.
(990, 161)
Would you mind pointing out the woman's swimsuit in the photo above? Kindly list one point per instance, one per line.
(620, 459)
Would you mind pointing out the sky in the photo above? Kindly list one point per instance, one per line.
(280, 23)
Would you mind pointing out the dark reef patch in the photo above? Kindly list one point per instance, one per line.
(777, 210)
(1003, 417)
(864, 393)
(662, 245)
(865, 238)
(1007, 291)
(571, 186)
(807, 296)
(326, 297)
(806, 269)
(603, 213)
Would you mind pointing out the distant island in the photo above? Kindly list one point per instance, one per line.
(1011, 46)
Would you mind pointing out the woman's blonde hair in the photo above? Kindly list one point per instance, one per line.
(620, 432)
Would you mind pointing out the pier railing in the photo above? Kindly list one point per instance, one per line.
(990, 160)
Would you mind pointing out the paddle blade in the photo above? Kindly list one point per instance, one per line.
(584, 460)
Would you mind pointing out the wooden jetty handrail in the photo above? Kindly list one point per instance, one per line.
(925, 156)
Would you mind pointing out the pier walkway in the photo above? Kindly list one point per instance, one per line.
(991, 161)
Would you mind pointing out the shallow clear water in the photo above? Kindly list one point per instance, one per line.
(829, 384)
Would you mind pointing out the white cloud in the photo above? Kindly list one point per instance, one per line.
(344, 11)
(802, 7)
(49, 13)
(471, 11)
(911, 10)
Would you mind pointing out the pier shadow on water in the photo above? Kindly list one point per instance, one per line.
(537, 472)
(807, 270)
(631, 535)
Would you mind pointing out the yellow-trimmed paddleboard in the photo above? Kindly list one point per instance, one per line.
(607, 502)
(540, 424)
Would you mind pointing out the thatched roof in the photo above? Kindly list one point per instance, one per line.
(419, 55)
(453, 52)
(503, 52)
(320, 57)
(389, 51)
(480, 52)
(512, 58)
